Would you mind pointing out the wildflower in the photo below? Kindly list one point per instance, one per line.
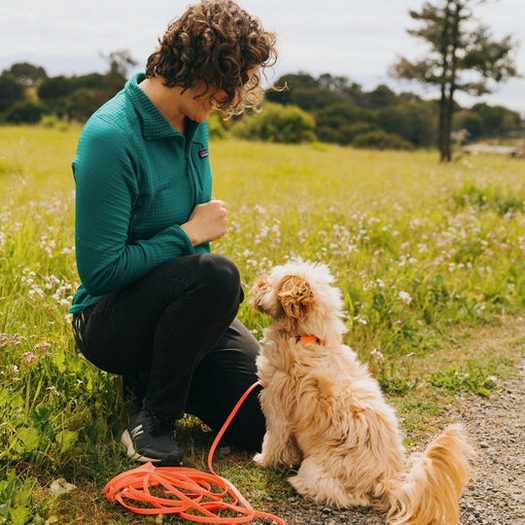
(53, 390)
(43, 347)
(51, 281)
(405, 297)
(377, 354)
(30, 357)
(302, 235)
(377, 284)
(47, 245)
(36, 291)
(11, 340)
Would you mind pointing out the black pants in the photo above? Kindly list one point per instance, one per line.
(174, 338)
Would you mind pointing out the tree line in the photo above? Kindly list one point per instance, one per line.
(327, 108)
(345, 114)
(27, 93)
(336, 110)
(462, 57)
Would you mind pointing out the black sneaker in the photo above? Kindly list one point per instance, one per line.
(151, 437)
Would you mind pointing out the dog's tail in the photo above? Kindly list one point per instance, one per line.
(432, 487)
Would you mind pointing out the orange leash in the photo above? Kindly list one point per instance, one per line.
(197, 495)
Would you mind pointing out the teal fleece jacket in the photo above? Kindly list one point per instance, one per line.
(137, 181)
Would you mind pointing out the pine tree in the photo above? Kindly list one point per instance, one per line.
(462, 57)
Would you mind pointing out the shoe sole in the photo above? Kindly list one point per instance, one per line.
(172, 460)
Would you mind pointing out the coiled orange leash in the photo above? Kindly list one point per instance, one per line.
(196, 495)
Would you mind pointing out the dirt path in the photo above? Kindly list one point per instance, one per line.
(495, 494)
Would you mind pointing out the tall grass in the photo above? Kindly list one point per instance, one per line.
(421, 250)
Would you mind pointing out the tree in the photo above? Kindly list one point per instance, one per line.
(340, 123)
(28, 75)
(11, 91)
(55, 87)
(482, 120)
(308, 93)
(381, 97)
(83, 102)
(120, 62)
(412, 121)
(463, 57)
(78, 97)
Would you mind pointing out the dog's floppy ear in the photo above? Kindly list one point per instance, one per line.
(296, 296)
(261, 296)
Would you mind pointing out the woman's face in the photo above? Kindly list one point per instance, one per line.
(197, 106)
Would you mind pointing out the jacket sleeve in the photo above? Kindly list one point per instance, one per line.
(106, 191)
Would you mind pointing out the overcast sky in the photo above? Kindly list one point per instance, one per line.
(359, 39)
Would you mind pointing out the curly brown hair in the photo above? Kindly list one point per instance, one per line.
(220, 44)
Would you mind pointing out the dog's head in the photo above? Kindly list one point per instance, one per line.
(300, 292)
(291, 296)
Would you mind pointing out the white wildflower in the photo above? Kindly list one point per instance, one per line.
(377, 354)
(405, 297)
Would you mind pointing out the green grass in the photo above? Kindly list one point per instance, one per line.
(428, 257)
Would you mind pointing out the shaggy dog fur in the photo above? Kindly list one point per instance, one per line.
(325, 412)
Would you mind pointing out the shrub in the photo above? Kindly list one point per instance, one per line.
(345, 133)
(25, 113)
(288, 124)
(380, 139)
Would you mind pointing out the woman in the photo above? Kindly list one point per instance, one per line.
(155, 306)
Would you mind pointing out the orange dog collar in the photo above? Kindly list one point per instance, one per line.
(309, 339)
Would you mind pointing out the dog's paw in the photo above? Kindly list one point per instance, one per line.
(263, 460)
(260, 459)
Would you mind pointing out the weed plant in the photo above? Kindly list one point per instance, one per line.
(421, 251)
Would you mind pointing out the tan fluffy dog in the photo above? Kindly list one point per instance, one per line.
(325, 412)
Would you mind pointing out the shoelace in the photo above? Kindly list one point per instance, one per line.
(196, 495)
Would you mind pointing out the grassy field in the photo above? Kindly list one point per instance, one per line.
(426, 254)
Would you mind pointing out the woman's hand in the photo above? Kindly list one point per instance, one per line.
(207, 222)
